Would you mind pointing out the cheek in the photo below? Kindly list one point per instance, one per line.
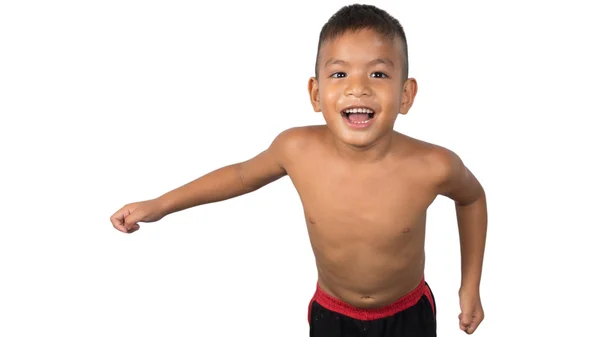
(390, 96)
(330, 94)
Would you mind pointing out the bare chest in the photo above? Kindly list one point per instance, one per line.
(351, 203)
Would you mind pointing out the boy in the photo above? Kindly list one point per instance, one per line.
(365, 188)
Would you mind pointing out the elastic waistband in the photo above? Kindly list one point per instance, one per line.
(331, 303)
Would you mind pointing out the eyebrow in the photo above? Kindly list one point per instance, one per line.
(374, 62)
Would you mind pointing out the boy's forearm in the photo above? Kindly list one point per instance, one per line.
(472, 224)
(221, 184)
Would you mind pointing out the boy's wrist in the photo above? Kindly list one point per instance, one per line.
(469, 286)
(164, 205)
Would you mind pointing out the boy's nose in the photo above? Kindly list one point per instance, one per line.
(358, 87)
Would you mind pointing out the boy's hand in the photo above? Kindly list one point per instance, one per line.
(471, 310)
(126, 219)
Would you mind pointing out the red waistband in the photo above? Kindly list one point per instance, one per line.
(331, 303)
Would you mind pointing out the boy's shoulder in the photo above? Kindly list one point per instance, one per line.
(300, 137)
(438, 161)
(292, 142)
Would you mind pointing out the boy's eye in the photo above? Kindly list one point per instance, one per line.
(379, 74)
(338, 75)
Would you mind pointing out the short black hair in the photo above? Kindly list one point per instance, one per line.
(356, 17)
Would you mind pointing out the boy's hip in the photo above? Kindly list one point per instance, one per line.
(412, 315)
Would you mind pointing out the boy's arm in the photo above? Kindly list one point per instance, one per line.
(460, 185)
(232, 180)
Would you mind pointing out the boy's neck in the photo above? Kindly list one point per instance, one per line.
(372, 153)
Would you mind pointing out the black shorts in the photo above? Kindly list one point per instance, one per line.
(413, 315)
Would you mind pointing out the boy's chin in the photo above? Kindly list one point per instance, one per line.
(359, 140)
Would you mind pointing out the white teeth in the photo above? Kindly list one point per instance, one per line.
(359, 111)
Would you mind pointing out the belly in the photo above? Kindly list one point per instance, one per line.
(368, 265)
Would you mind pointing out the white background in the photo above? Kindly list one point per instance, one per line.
(108, 102)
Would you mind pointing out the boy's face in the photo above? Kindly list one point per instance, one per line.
(360, 88)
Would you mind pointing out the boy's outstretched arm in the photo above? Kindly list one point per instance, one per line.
(460, 185)
(221, 184)
(230, 181)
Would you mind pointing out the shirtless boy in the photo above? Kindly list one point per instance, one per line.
(365, 188)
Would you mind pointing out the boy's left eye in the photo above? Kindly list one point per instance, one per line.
(378, 74)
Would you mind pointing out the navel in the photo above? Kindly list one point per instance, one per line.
(406, 230)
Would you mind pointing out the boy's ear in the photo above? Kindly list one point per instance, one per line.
(409, 92)
(313, 91)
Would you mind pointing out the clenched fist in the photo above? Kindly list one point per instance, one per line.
(127, 218)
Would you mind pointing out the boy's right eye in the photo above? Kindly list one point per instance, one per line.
(338, 75)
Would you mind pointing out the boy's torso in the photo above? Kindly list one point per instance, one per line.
(366, 222)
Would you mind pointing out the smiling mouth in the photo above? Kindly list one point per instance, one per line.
(358, 115)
